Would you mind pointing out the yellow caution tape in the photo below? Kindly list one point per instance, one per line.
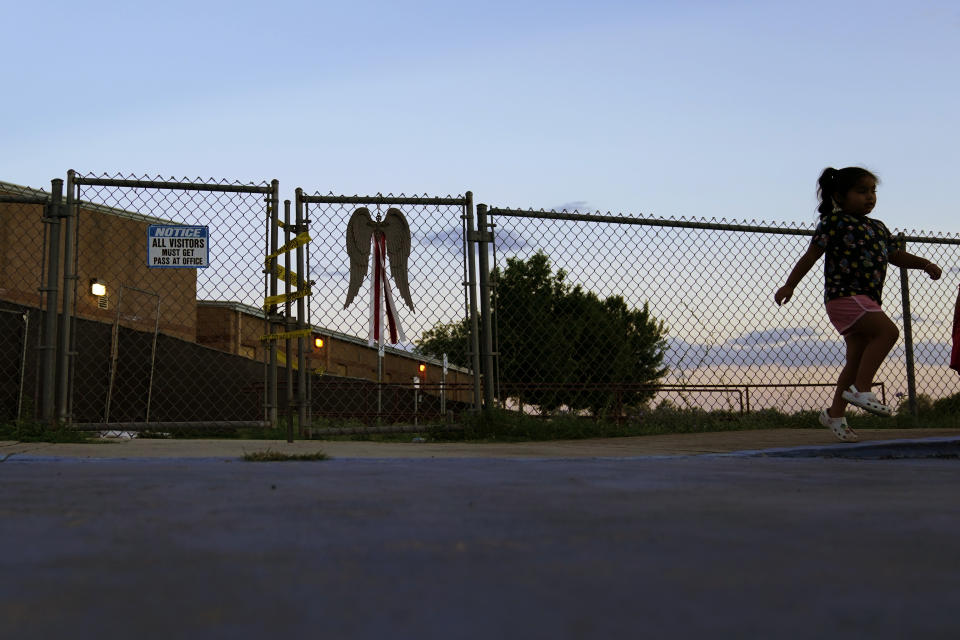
(282, 360)
(269, 301)
(299, 241)
(299, 333)
(290, 276)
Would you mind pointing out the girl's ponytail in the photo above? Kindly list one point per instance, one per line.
(826, 188)
(834, 182)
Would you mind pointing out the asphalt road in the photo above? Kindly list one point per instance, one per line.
(706, 546)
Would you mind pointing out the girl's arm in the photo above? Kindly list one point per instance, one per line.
(804, 264)
(901, 258)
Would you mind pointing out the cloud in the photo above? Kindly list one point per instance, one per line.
(509, 240)
(915, 319)
(776, 336)
(927, 353)
(797, 347)
(450, 239)
(741, 351)
(580, 206)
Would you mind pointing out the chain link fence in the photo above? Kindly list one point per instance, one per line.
(554, 312)
(704, 288)
(399, 383)
(22, 303)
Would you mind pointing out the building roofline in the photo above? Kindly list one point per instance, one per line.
(258, 313)
(89, 206)
(19, 188)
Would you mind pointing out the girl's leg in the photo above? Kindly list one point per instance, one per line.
(880, 335)
(855, 346)
(868, 343)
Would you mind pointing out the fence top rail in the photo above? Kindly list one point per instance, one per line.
(653, 222)
(380, 199)
(17, 193)
(12, 199)
(685, 224)
(931, 239)
(632, 386)
(161, 184)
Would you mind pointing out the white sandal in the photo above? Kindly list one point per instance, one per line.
(839, 427)
(867, 401)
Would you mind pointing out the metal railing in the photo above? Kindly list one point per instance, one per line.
(710, 285)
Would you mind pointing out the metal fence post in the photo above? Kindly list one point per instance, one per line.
(443, 388)
(272, 311)
(303, 375)
(153, 358)
(65, 351)
(484, 242)
(908, 335)
(287, 320)
(23, 362)
(52, 288)
(470, 240)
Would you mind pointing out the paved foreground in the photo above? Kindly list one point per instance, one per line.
(707, 546)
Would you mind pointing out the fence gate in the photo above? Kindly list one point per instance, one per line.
(416, 379)
(157, 275)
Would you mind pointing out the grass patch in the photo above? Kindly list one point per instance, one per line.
(221, 433)
(505, 426)
(32, 431)
(511, 426)
(278, 456)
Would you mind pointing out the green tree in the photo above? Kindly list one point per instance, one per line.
(561, 345)
(451, 339)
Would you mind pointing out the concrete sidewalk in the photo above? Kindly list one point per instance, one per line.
(659, 445)
(655, 536)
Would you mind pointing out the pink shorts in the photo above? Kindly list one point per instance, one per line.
(844, 312)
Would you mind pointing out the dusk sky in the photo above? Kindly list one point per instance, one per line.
(725, 109)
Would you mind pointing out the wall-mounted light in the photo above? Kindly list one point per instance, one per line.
(98, 287)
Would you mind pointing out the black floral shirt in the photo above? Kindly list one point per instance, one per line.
(856, 255)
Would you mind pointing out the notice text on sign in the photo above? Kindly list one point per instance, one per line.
(176, 246)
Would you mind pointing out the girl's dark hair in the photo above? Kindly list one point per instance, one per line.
(834, 182)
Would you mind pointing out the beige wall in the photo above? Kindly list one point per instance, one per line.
(21, 252)
(110, 247)
(229, 328)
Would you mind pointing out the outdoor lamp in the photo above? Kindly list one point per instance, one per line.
(98, 287)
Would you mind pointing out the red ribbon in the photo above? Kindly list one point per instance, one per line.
(381, 290)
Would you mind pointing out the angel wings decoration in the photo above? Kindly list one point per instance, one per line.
(390, 238)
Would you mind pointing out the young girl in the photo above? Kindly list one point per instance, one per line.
(857, 251)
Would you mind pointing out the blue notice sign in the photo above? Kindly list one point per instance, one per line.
(178, 246)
